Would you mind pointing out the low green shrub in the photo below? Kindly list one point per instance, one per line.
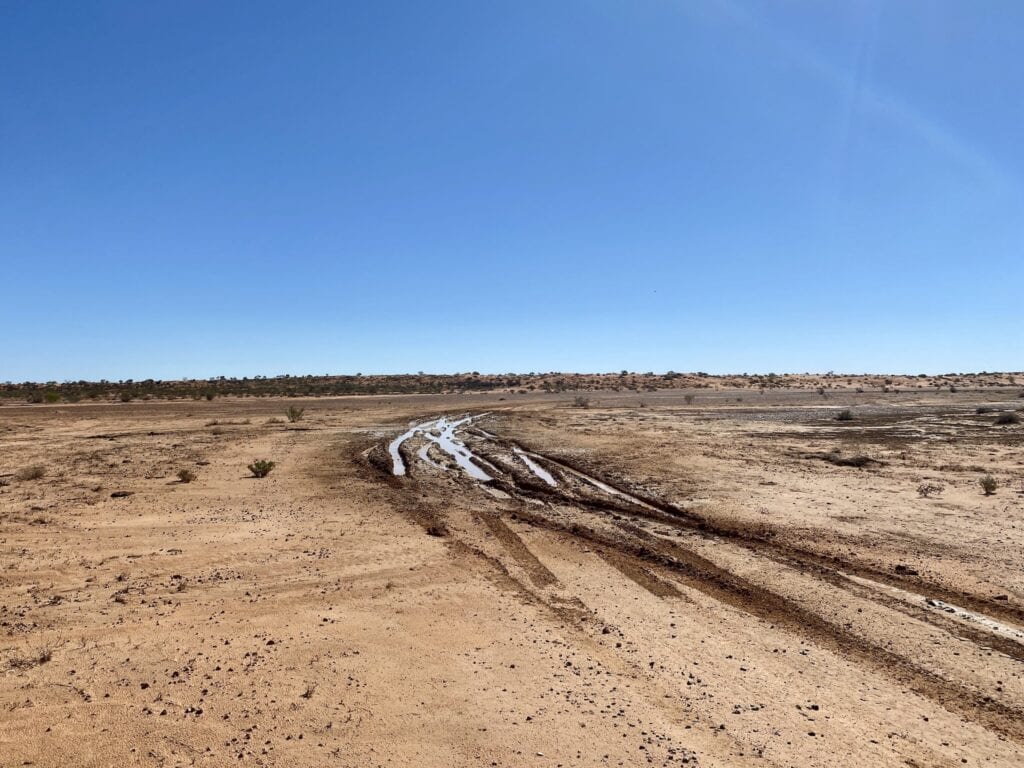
(261, 467)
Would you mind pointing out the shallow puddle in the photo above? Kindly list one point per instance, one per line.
(996, 627)
(536, 468)
(441, 432)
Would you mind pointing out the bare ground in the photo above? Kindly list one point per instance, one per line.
(760, 584)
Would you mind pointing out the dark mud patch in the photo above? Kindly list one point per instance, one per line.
(510, 540)
(637, 573)
(836, 458)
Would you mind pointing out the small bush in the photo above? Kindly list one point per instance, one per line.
(925, 490)
(1007, 418)
(983, 409)
(988, 484)
(186, 475)
(581, 402)
(274, 420)
(35, 657)
(261, 467)
(34, 472)
(844, 415)
(294, 414)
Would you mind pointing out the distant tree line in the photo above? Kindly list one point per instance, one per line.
(425, 383)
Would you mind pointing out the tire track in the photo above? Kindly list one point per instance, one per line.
(827, 566)
(697, 572)
(634, 551)
(635, 572)
(537, 571)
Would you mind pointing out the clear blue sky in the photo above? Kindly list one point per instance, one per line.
(206, 188)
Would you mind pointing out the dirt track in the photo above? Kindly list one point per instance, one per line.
(740, 597)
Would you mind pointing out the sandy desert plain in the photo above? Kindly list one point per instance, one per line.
(702, 578)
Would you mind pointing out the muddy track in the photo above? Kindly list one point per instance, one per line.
(815, 565)
(638, 553)
(699, 573)
(634, 570)
(761, 541)
(538, 572)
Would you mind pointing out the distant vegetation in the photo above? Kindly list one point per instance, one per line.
(129, 391)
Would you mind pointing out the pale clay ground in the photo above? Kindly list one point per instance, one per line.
(310, 619)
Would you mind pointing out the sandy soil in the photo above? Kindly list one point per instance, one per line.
(758, 584)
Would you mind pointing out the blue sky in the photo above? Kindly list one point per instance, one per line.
(198, 189)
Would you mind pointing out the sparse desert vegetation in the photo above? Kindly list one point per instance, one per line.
(988, 485)
(131, 391)
(34, 657)
(261, 467)
(779, 557)
(34, 472)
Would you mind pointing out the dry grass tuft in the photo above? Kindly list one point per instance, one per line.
(34, 472)
(35, 657)
(988, 485)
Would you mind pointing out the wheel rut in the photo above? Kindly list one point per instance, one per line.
(621, 525)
